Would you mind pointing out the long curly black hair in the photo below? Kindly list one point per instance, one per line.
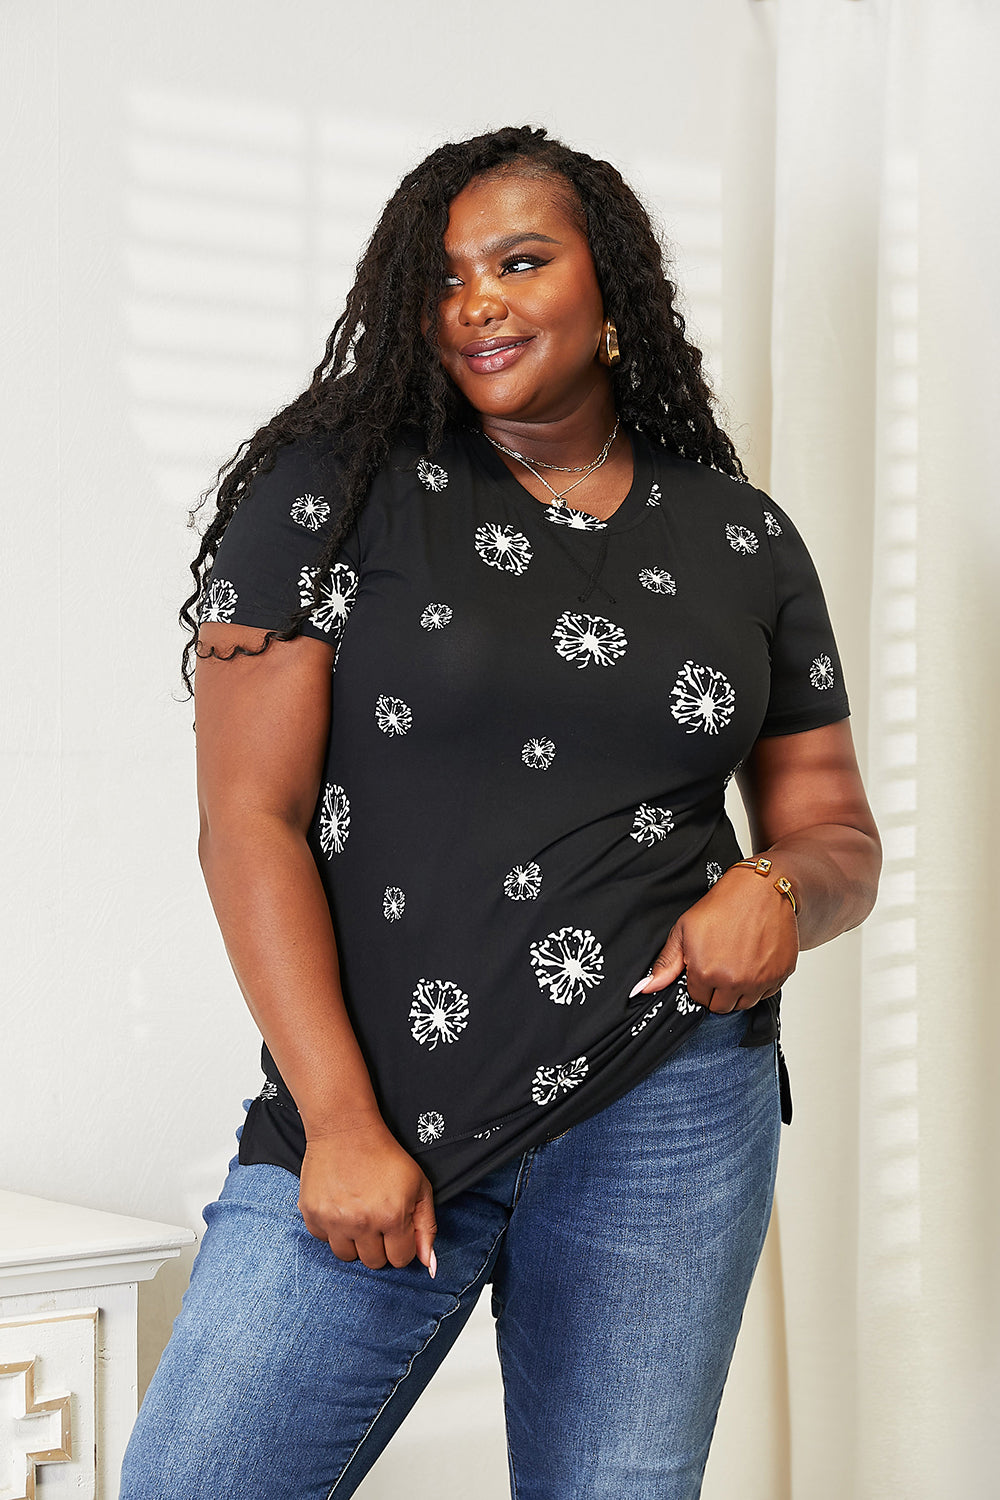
(380, 373)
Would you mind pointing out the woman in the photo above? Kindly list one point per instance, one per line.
(492, 617)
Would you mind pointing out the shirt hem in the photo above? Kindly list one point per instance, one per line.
(799, 723)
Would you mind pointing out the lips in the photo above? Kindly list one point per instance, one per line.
(488, 356)
(487, 346)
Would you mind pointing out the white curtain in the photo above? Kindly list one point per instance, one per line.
(869, 1365)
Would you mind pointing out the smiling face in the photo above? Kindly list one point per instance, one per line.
(520, 317)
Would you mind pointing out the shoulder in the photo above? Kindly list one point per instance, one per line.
(708, 493)
(314, 458)
(411, 470)
(287, 503)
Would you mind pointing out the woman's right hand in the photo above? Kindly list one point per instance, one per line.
(366, 1196)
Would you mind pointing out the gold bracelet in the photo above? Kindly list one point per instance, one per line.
(763, 867)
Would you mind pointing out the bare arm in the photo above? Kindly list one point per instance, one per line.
(808, 812)
(262, 724)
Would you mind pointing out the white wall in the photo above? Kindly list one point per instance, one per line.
(186, 188)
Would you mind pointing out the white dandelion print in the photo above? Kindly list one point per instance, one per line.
(538, 754)
(647, 1016)
(269, 1091)
(432, 476)
(484, 1135)
(772, 523)
(393, 903)
(337, 594)
(703, 699)
(713, 871)
(561, 514)
(504, 548)
(589, 640)
(657, 580)
(654, 497)
(523, 882)
(684, 1004)
(549, 1082)
(651, 824)
(430, 1126)
(568, 963)
(392, 715)
(436, 616)
(821, 673)
(310, 511)
(742, 539)
(219, 602)
(732, 773)
(334, 820)
(439, 1013)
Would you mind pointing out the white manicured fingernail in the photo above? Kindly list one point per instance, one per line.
(640, 986)
(432, 1264)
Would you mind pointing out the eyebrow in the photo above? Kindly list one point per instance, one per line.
(511, 241)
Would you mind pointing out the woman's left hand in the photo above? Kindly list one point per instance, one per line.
(739, 943)
(807, 809)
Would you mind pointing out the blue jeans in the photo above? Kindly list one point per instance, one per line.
(620, 1255)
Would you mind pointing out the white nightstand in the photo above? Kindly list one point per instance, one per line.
(68, 1292)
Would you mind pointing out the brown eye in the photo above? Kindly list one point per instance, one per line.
(523, 263)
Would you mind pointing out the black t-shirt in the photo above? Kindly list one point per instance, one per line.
(535, 715)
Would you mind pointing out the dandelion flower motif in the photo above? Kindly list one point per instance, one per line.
(821, 673)
(432, 476)
(219, 602)
(310, 511)
(549, 1082)
(685, 1006)
(654, 497)
(772, 523)
(393, 903)
(430, 1126)
(392, 715)
(504, 548)
(484, 1135)
(269, 1091)
(436, 616)
(524, 882)
(651, 824)
(538, 754)
(703, 699)
(657, 580)
(713, 871)
(561, 514)
(588, 640)
(439, 1013)
(742, 539)
(334, 820)
(337, 594)
(647, 1016)
(568, 963)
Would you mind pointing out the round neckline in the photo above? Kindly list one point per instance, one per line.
(630, 512)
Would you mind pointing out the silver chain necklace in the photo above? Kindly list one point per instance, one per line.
(584, 470)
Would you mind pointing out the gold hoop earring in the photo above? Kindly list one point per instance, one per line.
(610, 354)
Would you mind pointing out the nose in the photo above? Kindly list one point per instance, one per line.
(482, 303)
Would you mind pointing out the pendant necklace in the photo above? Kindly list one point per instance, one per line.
(584, 470)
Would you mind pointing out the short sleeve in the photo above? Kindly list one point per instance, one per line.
(267, 561)
(807, 683)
